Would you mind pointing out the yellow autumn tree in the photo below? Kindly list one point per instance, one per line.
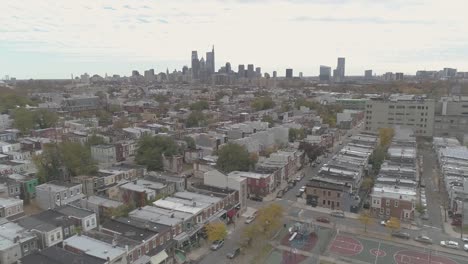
(365, 219)
(393, 224)
(385, 136)
(216, 231)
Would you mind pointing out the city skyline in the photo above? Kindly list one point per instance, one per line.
(53, 41)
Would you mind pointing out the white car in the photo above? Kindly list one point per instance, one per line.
(449, 244)
(302, 189)
(249, 219)
(465, 239)
(383, 222)
(465, 247)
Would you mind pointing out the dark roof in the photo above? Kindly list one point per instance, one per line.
(327, 185)
(126, 229)
(57, 255)
(218, 192)
(45, 221)
(74, 211)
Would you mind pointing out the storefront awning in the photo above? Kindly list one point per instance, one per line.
(159, 258)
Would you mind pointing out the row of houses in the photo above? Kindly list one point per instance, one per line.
(337, 182)
(395, 189)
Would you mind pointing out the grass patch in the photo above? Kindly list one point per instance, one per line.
(262, 253)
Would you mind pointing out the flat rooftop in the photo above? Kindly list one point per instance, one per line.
(94, 247)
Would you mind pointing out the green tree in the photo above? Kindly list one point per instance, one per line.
(216, 231)
(296, 134)
(196, 119)
(94, 140)
(190, 142)
(367, 183)
(105, 118)
(269, 220)
(67, 158)
(23, 120)
(200, 105)
(233, 157)
(377, 158)
(10, 100)
(312, 151)
(151, 148)
(262, 103)
(45, 119)
(365, 219)
(269, 119)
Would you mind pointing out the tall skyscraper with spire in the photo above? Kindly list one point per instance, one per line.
(210, 61)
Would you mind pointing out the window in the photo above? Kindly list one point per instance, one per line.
(93, 221)
(315, 191)
(337, 204)
(130, 257)
(87, 223)
(139, 252)
(381, 210)
(58, 196)
(65, 195)
(387, 211)
(395, 203)
(387, 202)
(58, 235)
(66, 231)
(154, 243)
(328, 202)
(329, 193)
(147, 247)
(391, 106)
(52, 237)
(324, 193)
(338, 195)
(72, 229)
(324, 202)
(25, 247)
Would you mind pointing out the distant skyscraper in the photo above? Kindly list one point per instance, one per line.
(135, 73)
(289, 73)
(149, 75)
(241, 71)
(210, 61)
(250, 70)
(195, 65)
(228, 67)
(184, 70)
(300, 75)
(368, 74)
(267, 75)
(258, 71)
(399, 76)
(325, 73)
(449, 72)
(275, 74)
(340, 69)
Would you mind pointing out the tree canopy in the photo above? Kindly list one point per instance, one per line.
(216, 231)
(151, 148)
(200, 105)
(311, 150)
(296, 134)
(262, 103)
(196, 119)
(269, 219)
(365, 219)
(11, 100)
(190, 142)
(377, 158)
(234, 157)
(25, 120)
(65, 159)
(385, 136)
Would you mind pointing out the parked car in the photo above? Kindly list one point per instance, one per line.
(250, 219)
(465, 239)
(465, 247)
(299, 193)
(400, 234)
(338, 214)
(449, 244)
(302, 189)
(425, 216)
(423, 239)
(280, 194)
(234, 253)
(322, 219)
(217, 244)
(383, 222)
(256, 198)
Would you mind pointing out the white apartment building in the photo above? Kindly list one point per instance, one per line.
(409, 111)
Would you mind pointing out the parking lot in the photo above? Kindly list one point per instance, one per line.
(373, 251)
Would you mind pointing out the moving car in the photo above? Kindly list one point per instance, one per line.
(234, 253)
(256, 198)
(249, 219)
(423, 239)
(338, 214)
(449, 244)
(400, 234)
(217, 244)
(302, 189)
(322, 219)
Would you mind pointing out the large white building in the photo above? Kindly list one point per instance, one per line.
(410, 111)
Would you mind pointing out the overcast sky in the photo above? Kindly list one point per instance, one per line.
(53, 39)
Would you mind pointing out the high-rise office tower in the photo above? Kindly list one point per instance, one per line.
(325, 73)
(399, 76)
(368, 74)
(210, 61)
(184, 70)
(340, 69)
(135, 73)
(258, 71)
(250, 70)
(241, 71)
(195, 65)
(275, 74)
(228, 67)
(289, 73)
(300, 75)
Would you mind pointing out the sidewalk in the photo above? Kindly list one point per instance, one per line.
(448, 228)
(272, 196)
